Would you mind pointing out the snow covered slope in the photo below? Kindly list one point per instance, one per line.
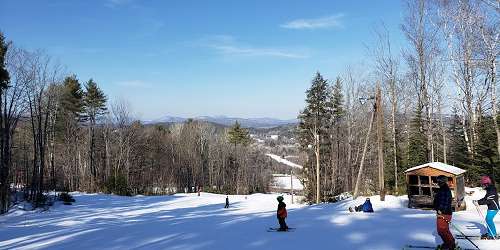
(283, 181)
(186, 221)
(284, 161)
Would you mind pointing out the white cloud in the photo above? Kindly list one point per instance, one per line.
(227, 45)
(334, 21)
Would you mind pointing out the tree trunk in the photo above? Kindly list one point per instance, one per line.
(380, 139)
(365, 148)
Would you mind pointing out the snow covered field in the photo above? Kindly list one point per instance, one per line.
(186, 221)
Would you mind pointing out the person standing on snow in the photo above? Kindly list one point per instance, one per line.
(491, 200)
(442, 205)
(281, 214)
(227, 202)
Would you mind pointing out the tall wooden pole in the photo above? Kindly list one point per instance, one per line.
(291, 183)
(380, 139)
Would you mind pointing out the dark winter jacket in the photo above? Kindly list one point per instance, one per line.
(367, 207)
(442, 200)
(491, 198)
(281, 212)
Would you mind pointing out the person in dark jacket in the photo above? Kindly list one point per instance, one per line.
(365, 207)
(490, 200)
(442, 205)
(281, 214)
(227, 202)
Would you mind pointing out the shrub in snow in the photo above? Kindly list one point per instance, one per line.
(118, 185)
(66, 198)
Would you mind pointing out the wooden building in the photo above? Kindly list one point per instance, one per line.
(421, 182)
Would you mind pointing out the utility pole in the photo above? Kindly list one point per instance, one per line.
(380, 139)
(291, 183)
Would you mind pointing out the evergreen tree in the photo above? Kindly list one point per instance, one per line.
(95, 106)
(336, 103)
(457, 155)
(418, 141)
(4, 131)
(72, 97)
(238, 135)
(336, 112)
(94, 102)
(313, 130)
(486, 158)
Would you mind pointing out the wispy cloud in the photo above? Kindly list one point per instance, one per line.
(134, 84)
(228, 46)
(333, 21)
(116, 3)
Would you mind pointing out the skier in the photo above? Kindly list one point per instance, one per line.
(442, 205)
(365, 207)
(227, 202)
(281, 214)
(491, 200)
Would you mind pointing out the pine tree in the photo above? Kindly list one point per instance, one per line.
(238, 135)
(418, 141)
(72, 97)
(486, 148)
(95, 106)
(458, 155)
(4, 133)
(313, 128)
(336, 111)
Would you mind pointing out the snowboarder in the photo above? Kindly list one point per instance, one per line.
(442, 205)
(281, 214)
(491, 200)
(365, 207)
(227, 202)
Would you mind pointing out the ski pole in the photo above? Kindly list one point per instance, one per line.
(485, 222)
(456, 228)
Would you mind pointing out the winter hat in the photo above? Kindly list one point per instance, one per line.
(279, 198)
(485, 180)
(442, 180)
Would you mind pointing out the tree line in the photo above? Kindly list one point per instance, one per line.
(439, 103)
(59, 133)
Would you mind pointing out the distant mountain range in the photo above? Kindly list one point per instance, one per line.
(229, 121)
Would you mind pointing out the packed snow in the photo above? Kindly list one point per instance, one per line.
(284, 161)
(188, 221)
(283, 181)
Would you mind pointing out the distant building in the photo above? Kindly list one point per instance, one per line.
(274, 137)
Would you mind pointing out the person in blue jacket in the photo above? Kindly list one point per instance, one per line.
(365, 207)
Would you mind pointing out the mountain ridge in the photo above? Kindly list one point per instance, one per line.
(259, 122)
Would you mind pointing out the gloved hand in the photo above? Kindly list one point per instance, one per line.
(475, 202)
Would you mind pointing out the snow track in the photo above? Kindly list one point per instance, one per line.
(186, 221)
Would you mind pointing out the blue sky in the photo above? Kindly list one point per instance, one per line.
(190, 58)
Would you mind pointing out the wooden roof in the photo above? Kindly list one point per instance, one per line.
(439, 166)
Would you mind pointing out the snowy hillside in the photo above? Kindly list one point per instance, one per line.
(283, 181)
(284, 161)
(186, 221)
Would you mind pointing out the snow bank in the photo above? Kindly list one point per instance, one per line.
(186, 221)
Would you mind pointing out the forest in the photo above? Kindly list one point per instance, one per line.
(435, 99)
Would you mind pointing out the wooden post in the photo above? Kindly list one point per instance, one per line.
(380, 138)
